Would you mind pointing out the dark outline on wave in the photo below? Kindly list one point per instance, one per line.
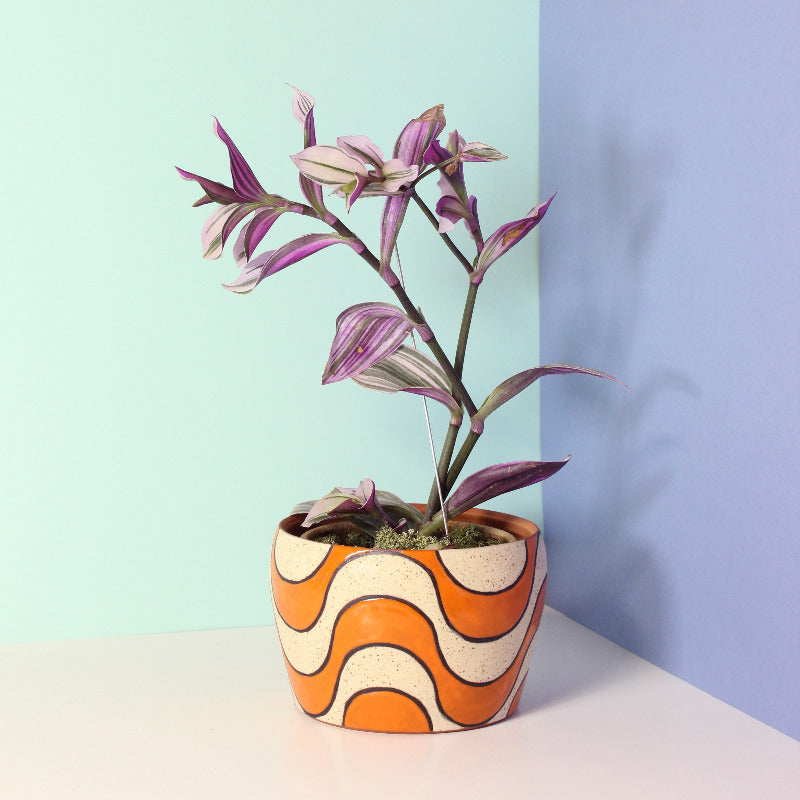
(311, 574)
(498, 591)
(369, 690)
(430, 676)
(432, 578)
(425, 618)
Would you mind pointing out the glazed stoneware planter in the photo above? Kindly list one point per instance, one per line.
(409, 641)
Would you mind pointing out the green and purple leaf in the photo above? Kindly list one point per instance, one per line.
(328, 165)
(505, 237)
(410, 148)
(408, 370)
(477, 151)
(246, 196)
(254, 271)
(366, 333)
(499, 479)
(219, 226)
(396, 174)
(396, 508)
(214, 191)
(514, 385)
(455, 203)
(245, 182)
(362, 148)
(251, 234)
(303, 109)
(342, 502)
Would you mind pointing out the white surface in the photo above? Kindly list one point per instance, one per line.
(209, 715)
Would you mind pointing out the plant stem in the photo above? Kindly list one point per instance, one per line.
(441, 468)
(416, 316)
(452, 432)
(431, 521)
(447, 474)
(459, 461)
(463, 260)
(435, 168)
(466, 321)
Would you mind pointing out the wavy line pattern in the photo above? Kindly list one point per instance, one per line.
(408, 641)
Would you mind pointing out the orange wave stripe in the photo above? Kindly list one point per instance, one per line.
(391, 622)
(472, 614)
(386, 710)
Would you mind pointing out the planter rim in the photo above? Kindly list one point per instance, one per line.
(520, 527)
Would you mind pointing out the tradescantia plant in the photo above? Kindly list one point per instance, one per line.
(369, 344)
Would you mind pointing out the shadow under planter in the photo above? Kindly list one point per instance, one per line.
(409, 641)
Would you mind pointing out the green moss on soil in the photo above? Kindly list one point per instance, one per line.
(460, 536)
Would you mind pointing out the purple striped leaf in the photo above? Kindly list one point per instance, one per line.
(328, 165)
(394, 506)
(255, 270)
(362, 148)
(505, 237)
(455, 203)
(477, 151)
(410, 147)
(303, 109)
(219, 226)
(340, 502)
(215, 192)
(235, 204)
(365, 334)
(254, 231)
(246, 187)
(450, 210)
(244, 179)
(499, 479)
(414, 139)
(394, 174)
(408, 370)
(514, 385)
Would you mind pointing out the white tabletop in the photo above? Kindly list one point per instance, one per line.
(209, 715)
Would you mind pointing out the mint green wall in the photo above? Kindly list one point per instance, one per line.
(154, 427)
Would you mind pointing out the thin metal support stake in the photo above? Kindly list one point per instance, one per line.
(425, 409)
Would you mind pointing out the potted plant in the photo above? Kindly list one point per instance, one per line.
(392, 615)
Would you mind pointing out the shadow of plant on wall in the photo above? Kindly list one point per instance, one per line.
(595, 259)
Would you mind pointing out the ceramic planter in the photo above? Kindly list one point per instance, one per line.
(409, 640)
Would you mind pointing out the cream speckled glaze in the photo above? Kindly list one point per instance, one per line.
(410, 640)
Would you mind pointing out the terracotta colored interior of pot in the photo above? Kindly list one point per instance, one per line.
(518, 526)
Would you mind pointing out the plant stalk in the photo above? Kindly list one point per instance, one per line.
(452, 432)
(463, 335)
(416, 316)
(459, 461)
(442, 467)
(448, 473)
(463, 260)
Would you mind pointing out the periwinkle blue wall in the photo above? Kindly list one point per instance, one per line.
(672, 259)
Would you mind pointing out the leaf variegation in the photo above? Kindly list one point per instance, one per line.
(410, 147)
(365, 334)
(327, 165)
(342, 502)
(499, 479)
(363, 500)
(267, 264)
(397, 507)
(408, 370)
(477, 151)
(505, 237)
(514, 385)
